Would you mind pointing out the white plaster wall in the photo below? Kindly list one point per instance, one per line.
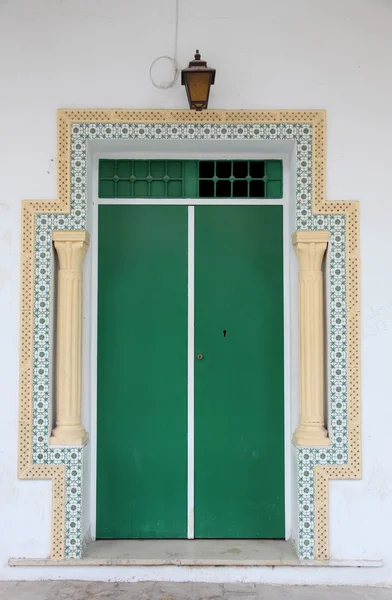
(282, 54)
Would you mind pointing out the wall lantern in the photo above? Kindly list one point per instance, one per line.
(198, 79)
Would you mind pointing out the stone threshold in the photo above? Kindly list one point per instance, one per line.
(190, 553)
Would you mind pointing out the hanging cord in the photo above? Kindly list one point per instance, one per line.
(168, 84)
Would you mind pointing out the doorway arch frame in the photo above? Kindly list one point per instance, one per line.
(64, 465)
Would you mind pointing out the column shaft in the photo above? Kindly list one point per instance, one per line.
(310, 247)
(71, 247)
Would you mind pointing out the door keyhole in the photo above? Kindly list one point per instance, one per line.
(224, 333)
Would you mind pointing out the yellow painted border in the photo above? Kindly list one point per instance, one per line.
(323, 473)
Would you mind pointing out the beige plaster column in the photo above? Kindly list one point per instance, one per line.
(71, 247)
(310, 247)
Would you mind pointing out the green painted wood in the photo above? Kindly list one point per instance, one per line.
(191, 178)
(142, 371)
(127, 178)
(239, 406)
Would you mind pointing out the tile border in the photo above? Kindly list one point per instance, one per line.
(63, 465)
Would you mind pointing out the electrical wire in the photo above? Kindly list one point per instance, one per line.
(176, 70)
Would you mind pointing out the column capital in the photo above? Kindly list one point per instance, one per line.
(71, 235)
(310, 237)
(71, 246)
(310, 247)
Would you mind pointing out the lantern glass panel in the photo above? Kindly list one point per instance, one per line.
(198, 86)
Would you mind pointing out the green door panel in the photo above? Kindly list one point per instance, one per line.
(142, 372)
(239, 383)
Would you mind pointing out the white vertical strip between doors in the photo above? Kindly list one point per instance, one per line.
(191, 379)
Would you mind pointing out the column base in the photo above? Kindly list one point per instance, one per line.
(311, 436)
(68, 435)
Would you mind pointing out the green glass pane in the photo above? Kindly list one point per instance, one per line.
(240, 188)
(157, 189)
(140, 168)
(257, 168)
(107, 189)
(274, 169)
(223, 189)
(140, 189)
(223, 168)
(206, 188)
(240, 168)
(157, 169)
(206, 168)
(274, 189)
(174, 189)
(124, 189)
(124, 169)
(107, 168)
(257, 189)
(174, 169)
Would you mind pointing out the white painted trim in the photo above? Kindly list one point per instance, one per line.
(189, 201)
(292, 370)
(285, 202)
(192, 149)
(191, 372)
(94, 346)
(286, 349)
(327, 337)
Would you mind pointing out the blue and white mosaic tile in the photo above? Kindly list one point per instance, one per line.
(72, 458)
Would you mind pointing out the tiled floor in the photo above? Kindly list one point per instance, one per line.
(77, 590)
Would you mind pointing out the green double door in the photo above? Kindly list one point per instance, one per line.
(145, 405)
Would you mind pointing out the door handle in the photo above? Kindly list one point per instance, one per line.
(199, 357)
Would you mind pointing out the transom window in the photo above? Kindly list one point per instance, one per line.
(256, 179)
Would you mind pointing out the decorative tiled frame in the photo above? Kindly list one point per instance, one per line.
(316, 466)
